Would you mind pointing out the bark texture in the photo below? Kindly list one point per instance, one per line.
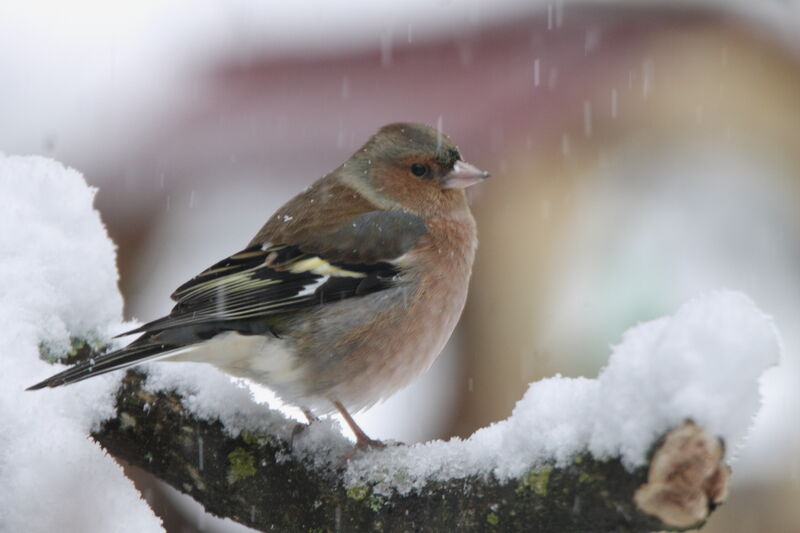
(254, 479)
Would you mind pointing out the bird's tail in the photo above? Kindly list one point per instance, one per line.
(129, 356)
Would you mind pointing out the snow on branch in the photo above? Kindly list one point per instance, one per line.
(642, 447)
(273, 484)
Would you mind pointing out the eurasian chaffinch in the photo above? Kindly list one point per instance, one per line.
(348, 292)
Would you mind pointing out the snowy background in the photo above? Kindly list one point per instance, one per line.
(646, 156)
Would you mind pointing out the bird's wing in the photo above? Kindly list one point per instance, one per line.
(353, 259)
(248, 290)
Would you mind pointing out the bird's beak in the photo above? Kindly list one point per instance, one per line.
(463, 175)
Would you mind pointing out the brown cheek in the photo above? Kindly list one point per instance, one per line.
(418, 195)
(400, 184)
(421, 189)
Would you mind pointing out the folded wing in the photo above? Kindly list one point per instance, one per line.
(251, 291)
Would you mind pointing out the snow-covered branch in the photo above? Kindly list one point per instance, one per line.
(273, 484)
(613, 453)
(638, 448)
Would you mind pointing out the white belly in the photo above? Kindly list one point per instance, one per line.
(265, 360)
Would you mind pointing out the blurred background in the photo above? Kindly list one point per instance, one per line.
(643, 152)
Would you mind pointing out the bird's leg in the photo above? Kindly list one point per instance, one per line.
(362, 440)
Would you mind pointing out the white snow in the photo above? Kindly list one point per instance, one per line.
(57, 280)
(704, 363)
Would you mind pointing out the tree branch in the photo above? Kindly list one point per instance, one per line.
(255, 479)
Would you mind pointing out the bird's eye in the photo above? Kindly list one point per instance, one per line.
(419, 170)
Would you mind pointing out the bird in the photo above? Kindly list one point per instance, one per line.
(348, 292)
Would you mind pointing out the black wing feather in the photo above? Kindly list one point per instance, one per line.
(134, 354)
(259, 282)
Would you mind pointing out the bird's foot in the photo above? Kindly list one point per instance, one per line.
(367, 444)
(300, 428)
(363, 442)
(297, 431)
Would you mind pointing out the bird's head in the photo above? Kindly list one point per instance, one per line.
(415, 166)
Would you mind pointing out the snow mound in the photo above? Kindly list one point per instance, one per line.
(704, 363)
(57, 280)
